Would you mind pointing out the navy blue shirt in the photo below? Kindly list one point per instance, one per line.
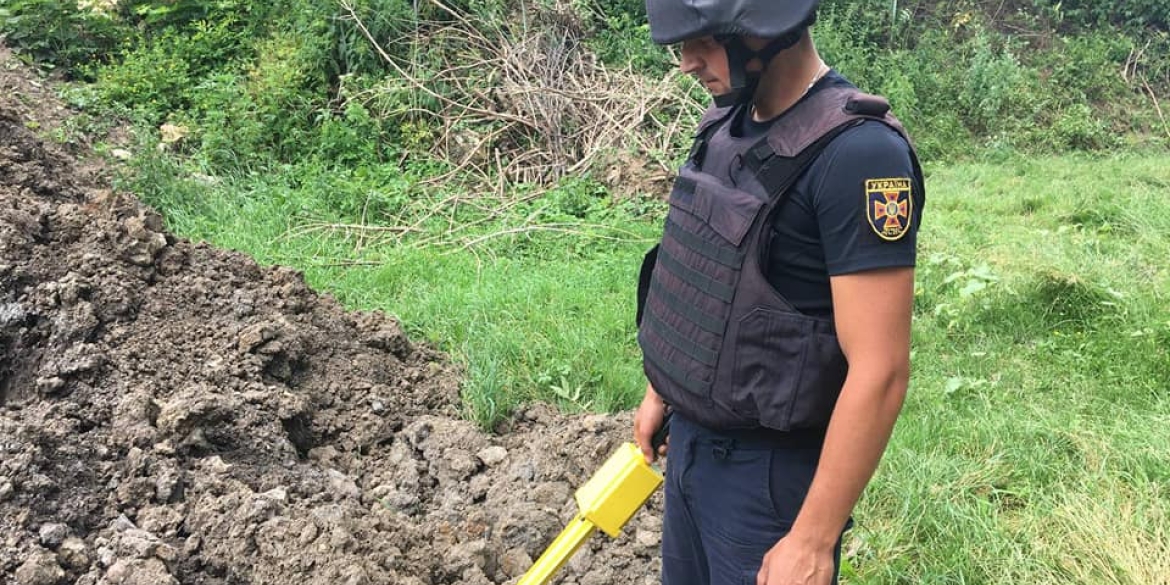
(822, 229)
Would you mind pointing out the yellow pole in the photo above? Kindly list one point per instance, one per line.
(577, 532)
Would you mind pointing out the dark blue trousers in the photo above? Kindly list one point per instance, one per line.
(730, 496)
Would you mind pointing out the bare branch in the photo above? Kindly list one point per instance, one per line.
(574, 229)
(348, 6)
(531, 97)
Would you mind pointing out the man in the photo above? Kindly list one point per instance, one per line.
(774, 317)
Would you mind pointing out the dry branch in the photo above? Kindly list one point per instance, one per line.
(534, 96)
(516, 108)
(1157, 106)
(573, 229)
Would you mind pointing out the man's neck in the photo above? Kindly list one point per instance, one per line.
(790, 75)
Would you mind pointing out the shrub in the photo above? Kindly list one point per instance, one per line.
(275, 82)
(154, 79)
(1128, 13)
(60, 34)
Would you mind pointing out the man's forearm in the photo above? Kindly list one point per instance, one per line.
(857, 436)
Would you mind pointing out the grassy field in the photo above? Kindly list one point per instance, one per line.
(1033, 448)
(1035, 444)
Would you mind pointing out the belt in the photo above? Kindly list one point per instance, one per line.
(758, 438)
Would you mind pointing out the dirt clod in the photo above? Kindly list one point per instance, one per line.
(73, 554)
(40, 568)
(175, 413)
(53, 534)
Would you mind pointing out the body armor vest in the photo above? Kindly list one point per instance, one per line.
(719, 344)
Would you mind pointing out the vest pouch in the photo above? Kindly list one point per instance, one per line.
(788, 370)
(824, 374)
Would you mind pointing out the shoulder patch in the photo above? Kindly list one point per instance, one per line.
(889, 207)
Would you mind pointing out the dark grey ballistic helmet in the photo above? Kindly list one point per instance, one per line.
(783, 21)
(674, 21)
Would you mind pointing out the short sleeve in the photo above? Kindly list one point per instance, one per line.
(867, 199)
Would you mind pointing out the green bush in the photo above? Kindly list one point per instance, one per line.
(1079, 127)
(351, 139)
(230, 136)
(621, 37)
(1085, 67)
(994, 92)
(1127, 13)
(154, 79)
(57, 33)
(163, 69)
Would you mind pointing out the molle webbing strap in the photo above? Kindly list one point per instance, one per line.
(690, 383)
(708, 323)
(700, 281)
(706, 356)
(727, 256)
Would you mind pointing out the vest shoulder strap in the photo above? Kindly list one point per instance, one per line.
(797, 138)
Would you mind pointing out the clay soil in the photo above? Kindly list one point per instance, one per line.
(173, 413)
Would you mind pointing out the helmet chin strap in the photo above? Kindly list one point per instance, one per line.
(744, 82)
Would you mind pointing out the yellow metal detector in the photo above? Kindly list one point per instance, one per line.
(607, 501)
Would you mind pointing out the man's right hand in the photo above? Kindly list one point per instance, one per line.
(647, 421)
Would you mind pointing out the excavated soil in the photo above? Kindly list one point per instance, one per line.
(173, 413)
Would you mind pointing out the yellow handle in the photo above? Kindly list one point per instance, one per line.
(559, 552)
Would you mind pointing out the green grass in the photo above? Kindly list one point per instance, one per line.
(524, 330)
(1033, 446)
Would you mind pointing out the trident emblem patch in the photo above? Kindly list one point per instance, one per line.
(888, 206)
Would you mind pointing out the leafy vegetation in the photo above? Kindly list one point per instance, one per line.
(258, 84)
(61, 33)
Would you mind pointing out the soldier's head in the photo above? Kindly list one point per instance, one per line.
(727, 44)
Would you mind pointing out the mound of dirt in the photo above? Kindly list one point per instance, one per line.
(173, 413)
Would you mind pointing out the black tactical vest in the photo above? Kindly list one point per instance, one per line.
(719, 344)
